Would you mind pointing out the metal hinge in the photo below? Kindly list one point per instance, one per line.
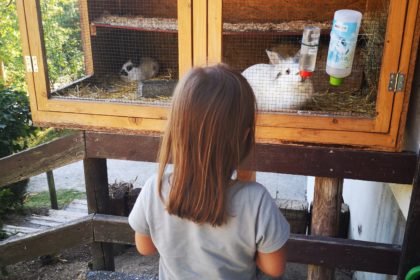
(31, 64)
(396, 82)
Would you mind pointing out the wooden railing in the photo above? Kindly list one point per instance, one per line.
(101, 229)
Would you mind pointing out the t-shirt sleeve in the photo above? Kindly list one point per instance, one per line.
(137, 218)
(273, 230)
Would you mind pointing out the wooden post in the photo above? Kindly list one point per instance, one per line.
(96, 180)
(325, 218)
(51, 189)
(410, 255)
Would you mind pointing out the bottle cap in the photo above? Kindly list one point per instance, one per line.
(336, 81)
(305, 74)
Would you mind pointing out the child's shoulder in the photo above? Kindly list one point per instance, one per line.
(253, 190)
(151, 184)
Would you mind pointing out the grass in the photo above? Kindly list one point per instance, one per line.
(42, 199)
(47, 135)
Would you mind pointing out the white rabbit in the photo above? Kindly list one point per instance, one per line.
(146, 68)
(278, 85)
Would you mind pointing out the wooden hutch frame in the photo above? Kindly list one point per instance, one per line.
(200, 39)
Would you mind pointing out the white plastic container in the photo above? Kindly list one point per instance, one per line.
(343, 41)
(308, 50)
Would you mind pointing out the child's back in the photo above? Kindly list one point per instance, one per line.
(191, 251)
(204, 224)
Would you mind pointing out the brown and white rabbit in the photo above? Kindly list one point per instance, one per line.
(146, 68)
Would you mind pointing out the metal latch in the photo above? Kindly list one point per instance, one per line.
(396, 82)
(31, 64)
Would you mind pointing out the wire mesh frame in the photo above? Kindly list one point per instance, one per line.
(278, 87)
(134, 49)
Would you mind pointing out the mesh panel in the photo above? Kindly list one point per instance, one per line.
(133, 50)
(250, 29)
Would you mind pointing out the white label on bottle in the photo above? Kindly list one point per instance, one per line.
(340, 26)
(342, 44)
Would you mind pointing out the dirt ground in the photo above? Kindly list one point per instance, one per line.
(75, 262)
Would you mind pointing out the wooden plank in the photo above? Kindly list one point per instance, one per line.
(185, 44)
(364, 140)
(105, 108)
(112, 229)
(344, 253)
(390, 62)
(128, 147)
(407, 65)
(37, 48)
(326, 122)
(335, 162)
(12, 229)
(40, 159)
(51, 189)
(133, 125)
(96, 181)
(20, 8)
(325, 218)
(65, 214)
(99, 122)
(200, 33)
(85, 33)
(328, 251)
(41, 243)
(280, 11)
(410, 256)
(214, 29)
(280, 158)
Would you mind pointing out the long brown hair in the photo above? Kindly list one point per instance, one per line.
(210, 130)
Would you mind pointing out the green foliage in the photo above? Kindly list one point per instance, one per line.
(61, 26)
(10, 45)
(15, 121)
(42, 199)
(47, 135)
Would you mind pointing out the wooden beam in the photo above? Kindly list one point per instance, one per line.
(51, 190)
(119, 146)
(96, 181)
(318, 161)
(335, 162)
(319, 250)
(112, 229)
(325, 218)
(75, 233)
(42, 158)
(410, 256)
(344, 253)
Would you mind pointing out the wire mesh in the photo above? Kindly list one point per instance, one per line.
(133, 49)
(264, 41)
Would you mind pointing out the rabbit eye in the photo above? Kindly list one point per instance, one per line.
(129, 68)
(287, 71)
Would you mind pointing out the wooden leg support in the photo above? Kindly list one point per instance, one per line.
(96, 179)
(325, 218)
(410, 255)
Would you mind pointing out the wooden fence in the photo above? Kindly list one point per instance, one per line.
(101, 229)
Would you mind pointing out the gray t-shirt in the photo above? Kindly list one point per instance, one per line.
(192, 251)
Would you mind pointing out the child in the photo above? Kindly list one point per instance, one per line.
(203, 223)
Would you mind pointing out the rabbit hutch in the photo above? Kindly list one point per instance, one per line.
(129, 54)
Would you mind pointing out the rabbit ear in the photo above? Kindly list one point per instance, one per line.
(273, 56)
